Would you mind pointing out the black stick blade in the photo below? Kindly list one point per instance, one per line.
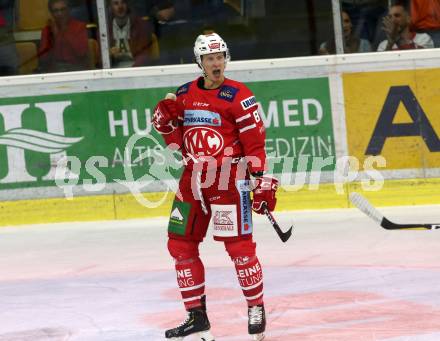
(389, 225)
(284, 236)
(365, 206)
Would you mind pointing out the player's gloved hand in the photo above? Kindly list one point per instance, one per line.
(166, 114)
(264, 192)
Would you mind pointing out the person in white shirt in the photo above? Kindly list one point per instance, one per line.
(399, 35)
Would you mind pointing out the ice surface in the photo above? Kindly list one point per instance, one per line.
(340, 278)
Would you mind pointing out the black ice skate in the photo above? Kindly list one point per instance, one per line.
(196, 323)
(257, 322)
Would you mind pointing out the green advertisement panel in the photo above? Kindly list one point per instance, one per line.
(299, 126)
(93, 128)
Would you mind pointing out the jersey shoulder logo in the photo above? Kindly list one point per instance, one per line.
(227, 93)
(248, 102)
(183, 89)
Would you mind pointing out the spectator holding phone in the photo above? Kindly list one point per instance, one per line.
(130, 36)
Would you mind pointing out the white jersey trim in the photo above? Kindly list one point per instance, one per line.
(252, 126)
(242, 118)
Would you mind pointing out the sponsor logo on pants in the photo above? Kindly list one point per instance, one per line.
(224, 220)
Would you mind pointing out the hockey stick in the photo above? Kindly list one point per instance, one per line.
(284, 236)
(364, 205)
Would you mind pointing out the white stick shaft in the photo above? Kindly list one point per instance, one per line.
(364, 205)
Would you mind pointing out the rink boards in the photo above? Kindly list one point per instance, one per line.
(315, 108)
(124, 206)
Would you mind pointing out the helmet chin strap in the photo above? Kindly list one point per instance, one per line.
(204, 74)
(201, 67)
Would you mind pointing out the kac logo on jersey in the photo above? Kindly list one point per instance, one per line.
(248, 102)
(201, 117)
(203, 141)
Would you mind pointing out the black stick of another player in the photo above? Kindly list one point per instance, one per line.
(364, 205)
(284, 236)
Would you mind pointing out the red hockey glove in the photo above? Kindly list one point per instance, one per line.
(264, 192)
(165, 114)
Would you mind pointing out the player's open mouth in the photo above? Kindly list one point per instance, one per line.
(216, 72)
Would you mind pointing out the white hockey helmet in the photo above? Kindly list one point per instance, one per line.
(210, 43)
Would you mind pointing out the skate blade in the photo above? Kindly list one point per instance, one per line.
(203, 336)
(258, 337)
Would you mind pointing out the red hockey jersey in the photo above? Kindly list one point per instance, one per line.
(219, 122)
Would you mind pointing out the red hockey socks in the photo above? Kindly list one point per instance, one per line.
(191, 281)
(190, 271)
(248, 268)
(250, 277)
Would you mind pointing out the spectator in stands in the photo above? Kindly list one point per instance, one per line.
(399, 35)
(64, 42)
(425, 17)
(130, 36)
(158, 11)
(8, 52)
(366, 16)
(352, 43)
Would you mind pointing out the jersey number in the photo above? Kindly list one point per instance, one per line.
(256, 116)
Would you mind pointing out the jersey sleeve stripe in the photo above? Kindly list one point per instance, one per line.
(242, 118)
(252, 126)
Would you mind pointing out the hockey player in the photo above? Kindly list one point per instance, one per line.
(215, 122)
